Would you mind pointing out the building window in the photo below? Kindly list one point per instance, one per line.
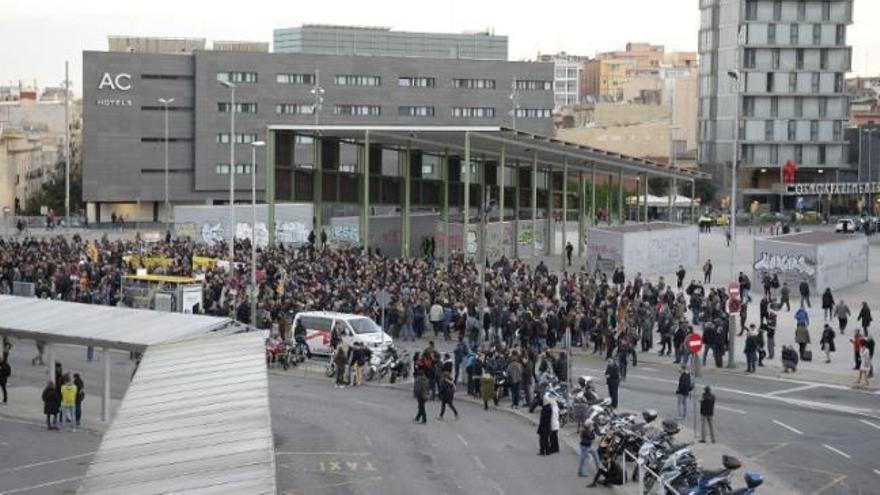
(798, 107)
(752, 10)
(240, 138)
(770, 82)
(474, 83)
(814, 130)
(823, 59)
(840, 36)
(240, 169)
(407, 111)
(771, 34)
(792, 82)
(300, 139)
(802, 10)
(817, 34)
(774, 154)
(776, 54)
(792, 130)
(237, 77)
(838, 83)
(774, 106)
(224, 107)
(794, 35)
(532, 85)
(838, 130)
(534, 113)
(354, 80)
(814, 82)
(800, 58)
(821, 155)
(415, 82)
(306, 79)
(222, 169)
(749, 106)
(473, 112)
(823, 107)
(777, 10)
(358, 110)
(294, 109)
(768, 130)
(749, 61)
(347, 168)
(826, 10)
(798, 153)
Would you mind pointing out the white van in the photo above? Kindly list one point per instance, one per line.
(355, 328)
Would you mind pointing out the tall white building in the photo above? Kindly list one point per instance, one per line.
(784, 63)
(567, 73)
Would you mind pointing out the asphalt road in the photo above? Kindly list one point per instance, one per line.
(364, 441)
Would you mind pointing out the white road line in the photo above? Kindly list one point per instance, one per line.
(877, 472)
(839, 452)
(43, 463)
(479, 463)
(461, 439)
(780, 423)
(643, 368)
(324, 453)
(795, 389)
(738, 411)
(872, 425)
(42, 485)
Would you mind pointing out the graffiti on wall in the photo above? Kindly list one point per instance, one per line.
(771, 262)
(344, 235)
(213, 233)
(292, 233)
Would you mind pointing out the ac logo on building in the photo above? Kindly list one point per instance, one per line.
(120, 82)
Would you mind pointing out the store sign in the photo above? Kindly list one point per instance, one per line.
(833, 188)
(119, 82)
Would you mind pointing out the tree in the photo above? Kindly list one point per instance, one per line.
(706, 191)
(52, 194)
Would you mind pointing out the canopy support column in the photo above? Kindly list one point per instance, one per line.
(365, 195)
(535, 204)
(466, 205)
(105, 392)
(582, 213)
(564, 210)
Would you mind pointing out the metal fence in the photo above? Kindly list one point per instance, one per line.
(644, 472)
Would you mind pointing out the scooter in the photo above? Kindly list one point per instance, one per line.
(753, 480)
(716, 482)
(399, 368)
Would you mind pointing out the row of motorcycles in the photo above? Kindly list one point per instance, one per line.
(674, 467)
(286, 354)
(388, 362)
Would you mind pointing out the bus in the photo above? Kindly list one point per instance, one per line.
(162, 292)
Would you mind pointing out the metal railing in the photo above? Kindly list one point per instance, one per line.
(644, 471)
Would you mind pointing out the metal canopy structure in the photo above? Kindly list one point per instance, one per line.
(518, 146)
(93, 325)
(195, 419)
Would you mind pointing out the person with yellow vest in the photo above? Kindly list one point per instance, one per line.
(68, 403)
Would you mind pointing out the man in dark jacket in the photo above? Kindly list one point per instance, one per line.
(612, 379)
(804, 289)
(685, 385)
(420, 392)
(51, 406)
(707, 411)
(5, 373)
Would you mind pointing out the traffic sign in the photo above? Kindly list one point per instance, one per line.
(733, 302)
(694, 343)
(383, 298)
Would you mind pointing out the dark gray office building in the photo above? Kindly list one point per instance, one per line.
(124, 121)
(382, 41)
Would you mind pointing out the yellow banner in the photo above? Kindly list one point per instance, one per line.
(204, 262)
(149, 262)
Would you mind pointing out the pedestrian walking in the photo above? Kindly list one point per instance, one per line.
(685, 385)
(544, 426)
(751, 350)
(827, 342)
(447, 394)
(804, 289)
(865, 367)
(857, 342)
(707, 272)
(51, 404)
(587, 437)
(707, 412)
(68, 403)
(801, 333)
(842, 312)
(80, 396)
(784, 297)
(514, 378)
(679, 275)
(865, 317)
(420, 392)
(569, 249)
(827, 304)
(5, 373)
(612, 379)
(554, 426)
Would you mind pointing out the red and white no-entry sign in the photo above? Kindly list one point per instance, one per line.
(694, 343)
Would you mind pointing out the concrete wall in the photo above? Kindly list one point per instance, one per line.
(792, 262)
(210, 224)
(385, 232)
(500, 238)
(643, 251)
(843, 264)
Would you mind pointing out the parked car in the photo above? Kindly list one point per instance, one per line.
(354, 328)
(846, 226)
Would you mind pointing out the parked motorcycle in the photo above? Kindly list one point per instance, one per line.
(400, 367)
(753, 480)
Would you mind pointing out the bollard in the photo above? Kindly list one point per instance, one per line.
(642, 474)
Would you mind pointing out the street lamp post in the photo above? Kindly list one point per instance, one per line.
(231, 88)
(488, 207)
(254, 291)
(165, 102)
(514, 102)
(734, 167)
(66, 145)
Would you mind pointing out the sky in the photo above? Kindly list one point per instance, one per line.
(36, 37)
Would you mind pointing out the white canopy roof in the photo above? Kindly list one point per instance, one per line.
(195, 419)
(662, 201)
(102, 326)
